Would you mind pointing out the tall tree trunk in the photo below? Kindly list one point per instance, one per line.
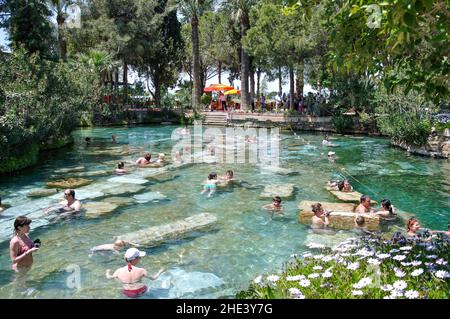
(280, 82)
(196, 64)
(62, 44)
(291, 87)
(220, 71)
(157, 94)
(252, 81)
(258, 77)
(245, 65)
(300, 82)
(125, 82)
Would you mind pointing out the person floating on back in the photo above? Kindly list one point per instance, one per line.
(115, 247)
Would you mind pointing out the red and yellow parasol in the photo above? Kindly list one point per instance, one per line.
(218, 87)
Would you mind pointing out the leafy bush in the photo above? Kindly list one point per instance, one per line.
(342, 123)
(41, 100)
(364, 268)
(405, 118)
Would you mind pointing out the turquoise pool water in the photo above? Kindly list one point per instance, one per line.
(246, 242)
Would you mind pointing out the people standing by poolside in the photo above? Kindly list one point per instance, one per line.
(364, 205)
(320, 218)
(21, 247)
(130, 276)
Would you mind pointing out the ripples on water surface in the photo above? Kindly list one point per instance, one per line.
(247, 241)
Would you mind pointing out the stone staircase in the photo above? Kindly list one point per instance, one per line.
(215, 118)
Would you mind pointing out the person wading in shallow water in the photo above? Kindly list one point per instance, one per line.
(130, 275)
(21, 247)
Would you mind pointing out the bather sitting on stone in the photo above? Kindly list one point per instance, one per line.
(364, 206)
(210, 184)
(115, 247)
(320, 218)
(342, 186)
(276, 206)
(144, 160)
(130, 276)
(68, 206)
(120, 170)
(387, 210)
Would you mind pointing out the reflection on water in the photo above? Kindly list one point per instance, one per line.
(247, 241)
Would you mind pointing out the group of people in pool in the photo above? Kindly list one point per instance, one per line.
(22, 247)
(210, 185)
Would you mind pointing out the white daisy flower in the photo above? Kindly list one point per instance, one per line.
(353, 266)
(441, 261)
(373, 261)
(273, 278)
(345, 254)
(441, 274)
(318, 257)
(393, 251)
(327, 258)
(396, 293)
(295, 278)
(304, 282)
(405, 264)
(399, 273)
(411, 294)
(306, 255)
(311, 276)
(294, 291)
(357, 293)
(431, 256)
(327, 274)
(257, 280)
(317, 267)
(365, 281)
(417, 272)
(406, 248)
(383, 256)
(416, 263)
(399, 257)
(400, 285)
(357, 286)
(298, 296)
(387, 287)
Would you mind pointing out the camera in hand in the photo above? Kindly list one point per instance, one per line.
(37, 243)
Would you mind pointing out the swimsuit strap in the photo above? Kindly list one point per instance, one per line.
(130, 267)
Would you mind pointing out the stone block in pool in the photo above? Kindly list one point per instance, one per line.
(69, 183)
(123, 189)
(97, 209)
(156, 235)
(127, 180)
(42, 192)
(178, 283)
(149, 197)
(285, 191)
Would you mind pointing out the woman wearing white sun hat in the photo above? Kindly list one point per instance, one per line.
(130, 275)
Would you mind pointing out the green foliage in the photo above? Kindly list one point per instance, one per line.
(206, 99)
(406, 118)
(41, 100)
(29, 26)
(367, 268)
(28, 157)
(342, 123)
